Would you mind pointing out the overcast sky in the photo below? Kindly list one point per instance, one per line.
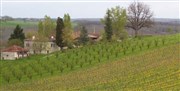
(161, 9)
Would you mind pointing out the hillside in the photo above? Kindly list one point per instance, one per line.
(120, 63)
(153, 70)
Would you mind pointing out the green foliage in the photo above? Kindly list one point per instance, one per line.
(156, 69)
(118, 16)
(17, 42)
(46, 27)
(13, 23)
(108, 26)
(6, 74)
(17, 34)
(59, 32)
(37, 66)
(40, 27)
(30, 34)
(117, 21)
(18, 74)
(29, 73)
(67, 32)
(83, 39)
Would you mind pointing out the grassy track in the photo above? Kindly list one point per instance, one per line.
(157, 69)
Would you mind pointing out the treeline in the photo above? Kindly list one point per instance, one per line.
(116, 21)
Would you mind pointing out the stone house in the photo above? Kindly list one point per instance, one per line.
(41, 47)
(13, 52)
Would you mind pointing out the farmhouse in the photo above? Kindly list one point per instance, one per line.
(13, 52)
(94, 36)
(36, 46)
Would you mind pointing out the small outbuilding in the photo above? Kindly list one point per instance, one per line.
(13, 52)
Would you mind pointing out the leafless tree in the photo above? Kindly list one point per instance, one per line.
(139, 16)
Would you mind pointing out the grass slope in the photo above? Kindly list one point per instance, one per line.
(157, 69)
(42, 66)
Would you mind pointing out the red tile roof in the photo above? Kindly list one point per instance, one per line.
(14, 48)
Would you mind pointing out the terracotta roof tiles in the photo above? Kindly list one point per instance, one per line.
(14, 48)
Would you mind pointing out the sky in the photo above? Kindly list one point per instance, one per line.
(82, 8)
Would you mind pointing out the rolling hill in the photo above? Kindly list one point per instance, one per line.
(151, 63)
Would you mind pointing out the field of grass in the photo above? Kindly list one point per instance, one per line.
(24, 24)
(13, 23)
(25, 72)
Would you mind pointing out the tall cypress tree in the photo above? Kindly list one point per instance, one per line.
(59, 32)
(18, 34)
(108, 26)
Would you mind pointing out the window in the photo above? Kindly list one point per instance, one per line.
(27, 44)
(34, 45)
(52, 45)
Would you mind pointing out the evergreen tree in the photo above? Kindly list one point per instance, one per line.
(59, 32)
(18, 34)
(108, 26)
(83, 39)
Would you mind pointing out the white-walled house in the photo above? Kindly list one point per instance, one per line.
(13, 52)
(40, 47)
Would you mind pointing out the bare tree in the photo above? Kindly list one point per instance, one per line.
(139, 16)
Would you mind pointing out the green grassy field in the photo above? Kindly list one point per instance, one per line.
(13, 23)
(95, 67)
(24, 24)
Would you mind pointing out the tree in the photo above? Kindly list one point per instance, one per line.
(118, 20)
(83, 39)
(40, 27)
(139, 16)
(67, 32)
(108, 25)
(30, 34)
(118, 16)
(46, 27)
(59, 32)
(18, 34)
(17, 42)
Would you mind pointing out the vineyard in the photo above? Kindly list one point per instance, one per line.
(136, 68)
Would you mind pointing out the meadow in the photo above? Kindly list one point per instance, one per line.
(13, 23)
(134, 64)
